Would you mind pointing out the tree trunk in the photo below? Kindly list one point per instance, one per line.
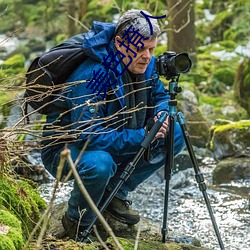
(83, 7)
(181, 34)
(72, 13)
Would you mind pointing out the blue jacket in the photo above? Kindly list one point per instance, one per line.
(102, 122)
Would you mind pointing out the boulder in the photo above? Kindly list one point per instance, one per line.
(231, 139)
(150, 235)
(231, 169)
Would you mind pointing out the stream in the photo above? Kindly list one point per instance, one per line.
(187, 212)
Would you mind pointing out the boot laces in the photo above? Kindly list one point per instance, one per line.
(127, 203)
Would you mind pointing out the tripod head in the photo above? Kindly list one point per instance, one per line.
(174, 89)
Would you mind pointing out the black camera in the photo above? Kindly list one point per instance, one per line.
(171, 65)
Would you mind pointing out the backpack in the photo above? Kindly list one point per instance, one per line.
(48, 73)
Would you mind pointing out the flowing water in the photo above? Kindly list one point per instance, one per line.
(187, 212)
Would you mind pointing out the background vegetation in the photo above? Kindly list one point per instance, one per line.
(214, 33)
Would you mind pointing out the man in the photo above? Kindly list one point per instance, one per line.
(108, 116)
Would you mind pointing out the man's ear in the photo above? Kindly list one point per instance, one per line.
(117, 44)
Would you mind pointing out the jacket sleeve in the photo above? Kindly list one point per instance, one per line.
(88, 119)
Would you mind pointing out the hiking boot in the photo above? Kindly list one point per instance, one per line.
(75, 231)
(121, 211)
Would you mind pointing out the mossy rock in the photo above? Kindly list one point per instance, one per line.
(150, 235)
(128, 244)
(225, 75)
(10, 231)
(232, 139)
(219, 107)
(22, 200)
(231, 169)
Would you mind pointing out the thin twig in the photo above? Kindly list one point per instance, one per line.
(45, 217)
(99, 238)
(77, 21)
(66, 154)
(137, 236)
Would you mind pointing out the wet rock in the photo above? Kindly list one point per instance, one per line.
(231, 139)
(231, 169)
(181, 179)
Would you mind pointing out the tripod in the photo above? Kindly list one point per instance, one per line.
(173, 90)
(169, 163)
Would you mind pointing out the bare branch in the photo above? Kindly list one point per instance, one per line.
(66, 154)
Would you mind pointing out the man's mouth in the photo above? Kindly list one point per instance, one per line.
(143, 63)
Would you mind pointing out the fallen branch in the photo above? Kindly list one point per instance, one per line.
(65, 154)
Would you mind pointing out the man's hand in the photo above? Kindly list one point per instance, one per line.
(164, 128)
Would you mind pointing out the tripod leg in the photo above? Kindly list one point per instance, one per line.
(168, 173)
(199, 177)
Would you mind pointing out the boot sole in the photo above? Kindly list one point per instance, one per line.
(121, 219)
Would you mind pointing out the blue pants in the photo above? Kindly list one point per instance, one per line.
(99, 171)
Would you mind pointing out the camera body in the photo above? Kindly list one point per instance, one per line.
(171, 65)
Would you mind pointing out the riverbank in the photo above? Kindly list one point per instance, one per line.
(188, 215)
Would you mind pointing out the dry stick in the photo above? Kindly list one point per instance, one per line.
(45, 217)
(137, 236)
(99, 238)
(66, 154)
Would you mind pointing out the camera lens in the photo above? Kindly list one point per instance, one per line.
(182, 63)
(171, 64)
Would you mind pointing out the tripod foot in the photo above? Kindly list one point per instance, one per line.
(164, 232)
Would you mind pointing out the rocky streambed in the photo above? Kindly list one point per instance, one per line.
(188, 215)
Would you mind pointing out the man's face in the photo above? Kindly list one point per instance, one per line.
(139, 63)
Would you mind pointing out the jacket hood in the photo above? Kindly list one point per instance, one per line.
(99, 40)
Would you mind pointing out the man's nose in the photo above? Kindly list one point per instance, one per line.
(146, 54)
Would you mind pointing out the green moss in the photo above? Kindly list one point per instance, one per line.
(16, 237)
(215, 101)
(238, 128)
(13, 71)
(16, 61)
(22, 200)
(228, 45)
(236, 125)
(128, 244)
(13, 239)
(225, 75)
(6, 243)
(9, 219)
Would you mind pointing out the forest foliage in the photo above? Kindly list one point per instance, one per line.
(218, 40)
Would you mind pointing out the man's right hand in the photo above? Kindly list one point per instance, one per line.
(164, 128)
